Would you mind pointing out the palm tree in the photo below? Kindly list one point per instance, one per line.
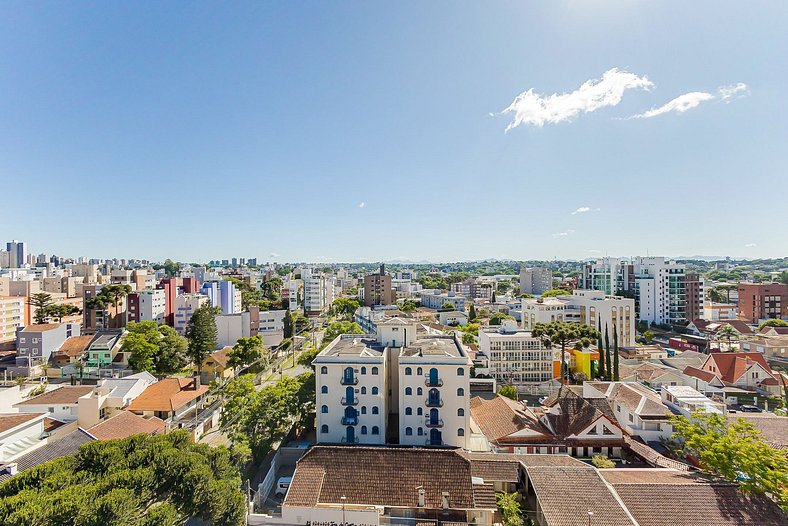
(728, 333)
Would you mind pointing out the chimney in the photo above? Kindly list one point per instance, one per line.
(422, 504)
(196, 382)
(11, 468)
(445, 500)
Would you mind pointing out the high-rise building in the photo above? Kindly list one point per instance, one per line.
(147, 305)
(314, 291)
(763, 301)
(694, 292)
(17, 254)
(535, 281)
(377, 288)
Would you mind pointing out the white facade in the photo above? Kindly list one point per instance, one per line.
(516, 357)
(720, 311)
(272, 326)
(361, 379)
(185, 305)
(231, 327)
(314, 291)
(152, 305)
(596, 309)
(542, 310)
(434, 299)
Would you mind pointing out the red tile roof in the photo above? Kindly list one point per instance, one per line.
(11, 420)
(124, 424)
(734, 364)
(169, 394)
(66, 395)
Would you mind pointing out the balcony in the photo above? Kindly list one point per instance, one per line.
(349, 420)
(433, 423)
(434, 402)
(353, 440)
(349, 401)
(429, 382)
(429, 442)
(349, 381)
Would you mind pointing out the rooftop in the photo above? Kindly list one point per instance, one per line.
(168, 394)
(125, 424)
(41, 327)
(434, 346)
(74, 346)
(65, 395)
(52, 450)
(354, 345)
(9, 421)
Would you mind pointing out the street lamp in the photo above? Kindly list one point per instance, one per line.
(343, 499)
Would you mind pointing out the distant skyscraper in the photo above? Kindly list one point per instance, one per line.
(17, 253)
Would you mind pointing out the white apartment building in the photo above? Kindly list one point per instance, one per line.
(542, 310)
(535, 281)
(315, 299)
(720, 311)
(185, 305)
(424, 380)
(658, 285)
(434, 299)
(150, 306)
(516, 357)
(12, 315)
(272, 326)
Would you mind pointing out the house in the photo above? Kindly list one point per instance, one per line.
(71, 351)
(510, 426)
(774, 428)
(104, 347)
(61, 403)
(110, 396)
(644, 352)
(637, 409)
(686, 401)
(453, 317)
(53, 449)
(373, 485)
(215, 366)
(745, 370)
(654, 375)
(36, 343)
(169, 397)
(124, 424)
(20, 432)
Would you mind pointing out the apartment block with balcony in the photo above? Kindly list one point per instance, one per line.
(763, 301)
(12, 315)
(535, 281)
(146, 305)
(395, 386)
(185, 305)
(377, 288)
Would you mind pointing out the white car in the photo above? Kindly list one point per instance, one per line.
(282, 485)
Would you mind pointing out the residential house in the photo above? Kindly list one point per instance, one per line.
(104, 348)
(686, 401)
(19, 433)
(744, 370)
(61, 403)
(453, 318)
(638, 410)
(36, 343)
(125, 424)
(110, 396)
(53, 449)
(215, 366)
(169, 397)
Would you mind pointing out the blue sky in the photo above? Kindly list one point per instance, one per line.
(199, 131)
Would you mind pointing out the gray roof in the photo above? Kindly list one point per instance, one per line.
(52, 450)
(434, 346)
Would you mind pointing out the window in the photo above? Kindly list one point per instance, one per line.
(460, 432)
(374, 390)
(460, 371)
(460, 391)
(409, 431)
(630, 418)
(324, 409)
(375, 430)
(419, 411)
(324, 370)
(419, 371)
(408, 391)
(408, 371)
(363, 410)
(324, 428)
(363, 370)
(420, 432)
(324, 389)
(461, 412)
(419, 391)
(374, 411)
(408, 411)
(363, 430)
(374, 371)
(363, 390)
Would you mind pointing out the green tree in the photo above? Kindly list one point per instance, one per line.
(468, 338)
(158, 349)
(344, 308)
(492, 299)
(608, 361)
(735, 451)
(272, 288)
(511, 512)
(407, 305)
(602, 462)
(615, 354)
(41, 302)
(246, 351)
(287, 321)
(171, 268)
(556, 292)
(63, 310)
(602, 371)
(509, 391)
(648, 336)
(715, 295)
(773, 323)
(143, 349)
(447, 306)
(727, 333)
(340, 327)
(564, 333)
(202, 334)
(472, 313)
(160, 480)
(498, 318)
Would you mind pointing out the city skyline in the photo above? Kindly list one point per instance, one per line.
(413, 132)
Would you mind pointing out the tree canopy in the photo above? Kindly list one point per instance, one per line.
(246, 351)
(344, 308)
(773, 323)
(556, 292)
(509, 391)
(340, 327)
(202, 334)
(735, 451)
(142, 480)
(158, 349)
(498, 318)
(563, 334)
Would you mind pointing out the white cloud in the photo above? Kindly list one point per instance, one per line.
(680, 104)
(737, 90)
(273, 255)
(594, 251)
(564, 233)
(585, 209)
(693, 99)
(362, 204)
(533, 108)
(750, 245)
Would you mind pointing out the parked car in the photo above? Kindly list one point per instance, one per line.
(750, 409)
(282, 485)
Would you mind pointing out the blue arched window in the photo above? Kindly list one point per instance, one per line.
(460, 391)
(363, 430)
(363, 410)
(374, 370)
(408, 411)
(363, 390)
(419, 391)
(420, 432)
(324, 409)
(409, 431)
(374, 390)
(419, 371)
(374, 409)
(408, 371)
(419, 411)
(363, 370)
(324, 428)
(460, 432)
(324, 389)
(461, 412)
(408, 391)
(375, 430)
(324, 370)
(460, 371)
